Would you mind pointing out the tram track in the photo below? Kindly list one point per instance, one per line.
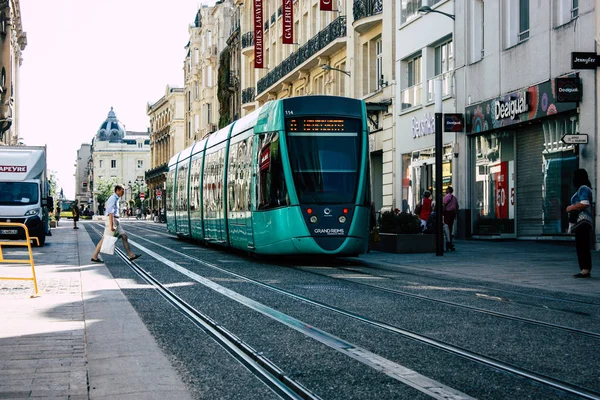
(482, 359)
(259, 366)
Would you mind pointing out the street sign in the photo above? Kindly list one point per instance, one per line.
(142, 196)
(158, 193)
(581, 138)
(158, 197)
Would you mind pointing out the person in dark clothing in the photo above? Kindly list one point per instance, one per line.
(76, 213)
(581, 221)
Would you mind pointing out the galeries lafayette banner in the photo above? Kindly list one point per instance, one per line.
(258, 34)
(288, 22)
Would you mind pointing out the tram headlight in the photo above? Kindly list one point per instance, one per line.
(314, 219)
(342, 219)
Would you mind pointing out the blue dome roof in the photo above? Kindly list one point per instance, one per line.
(111, 129)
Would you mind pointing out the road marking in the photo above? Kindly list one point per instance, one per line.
(405, 375)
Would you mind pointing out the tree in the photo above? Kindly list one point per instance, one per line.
(52, 184)
(103, 189)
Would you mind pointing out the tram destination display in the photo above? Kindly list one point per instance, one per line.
(322, 125)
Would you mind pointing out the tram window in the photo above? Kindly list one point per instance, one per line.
(272, 191)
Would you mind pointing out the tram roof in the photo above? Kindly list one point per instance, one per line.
(186, 153)
(173, 160)
(218, 137)
(245, 123)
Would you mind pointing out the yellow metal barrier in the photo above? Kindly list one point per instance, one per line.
(26, 242)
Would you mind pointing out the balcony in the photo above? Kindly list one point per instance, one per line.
(367, 14)
(248, 95)
(411, 97)
(247, 42)
(333, 31)
(156, 172)
(446, 84)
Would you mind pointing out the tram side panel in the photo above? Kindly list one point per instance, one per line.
(195, 191)
(239, 181)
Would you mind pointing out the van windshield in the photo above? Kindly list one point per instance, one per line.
(18, 193)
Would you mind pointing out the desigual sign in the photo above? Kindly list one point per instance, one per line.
(512, 108)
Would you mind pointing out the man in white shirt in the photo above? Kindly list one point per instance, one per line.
(113, 225)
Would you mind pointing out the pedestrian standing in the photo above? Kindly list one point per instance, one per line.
(76, 213)
(425, 209)
(580, 221)
(113, 225)
(450, 210)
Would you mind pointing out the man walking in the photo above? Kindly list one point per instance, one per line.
(113, 225)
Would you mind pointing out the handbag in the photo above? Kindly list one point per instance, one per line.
(418, 208)
(583, 220)
(108, 244)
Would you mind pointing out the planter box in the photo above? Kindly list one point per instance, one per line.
(404, 243)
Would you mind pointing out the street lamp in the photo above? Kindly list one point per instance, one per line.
(330, 68)
(439, 148)
(426, 10)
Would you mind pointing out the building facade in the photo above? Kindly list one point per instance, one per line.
(167, 138)
(521, 96)
(429, 54)
(83, 191)
(119, 156)
(12, 43)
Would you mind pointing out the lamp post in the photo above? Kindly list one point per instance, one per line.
(439, 148)
(330, 68)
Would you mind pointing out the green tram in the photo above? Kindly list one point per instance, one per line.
(292, 177)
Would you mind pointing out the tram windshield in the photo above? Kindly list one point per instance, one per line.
(325, 163)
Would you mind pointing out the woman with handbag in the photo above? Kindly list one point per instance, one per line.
(580, 221)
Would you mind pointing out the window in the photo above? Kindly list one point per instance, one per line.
(272, 191)
(523, 20)
(565, 11)
(414, 71)
(196, 56)
(101, 163)
(477, 29)
(140, 145)
(208, 113)
(379, 62)
(409, 10)
(113, 163)
(411, 95)
(140, 164)
(444, 58)
(516, 14)
(196, 91)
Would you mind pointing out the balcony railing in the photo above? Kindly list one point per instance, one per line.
(366, 8)
(248, 95)
(412, 97)
(333, 31)
(247, 39)
(445, 86)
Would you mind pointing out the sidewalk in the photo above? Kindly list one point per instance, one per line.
(82, 339)
(534, 264)
(82, 331)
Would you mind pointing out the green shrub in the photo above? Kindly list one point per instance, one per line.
(401, 222)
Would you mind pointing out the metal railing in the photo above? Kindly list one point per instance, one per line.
(26, 243)
(247, 39)
(331, 32)
(248, 95)
(411, 97)
(366, 8)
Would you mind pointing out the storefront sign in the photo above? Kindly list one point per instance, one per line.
(453, 123)
(568, 89)
(424, 127)
(541, 102)
(581, 60)
(326, 5)
(513, 107)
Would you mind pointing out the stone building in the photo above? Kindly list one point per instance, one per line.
(12, 43)
(83, 191)
(167, 132)
(119, 156)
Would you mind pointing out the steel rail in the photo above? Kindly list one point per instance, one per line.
(488, 361)
(258, 365)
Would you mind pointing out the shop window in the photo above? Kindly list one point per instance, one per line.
(494, 163)
(559, 161)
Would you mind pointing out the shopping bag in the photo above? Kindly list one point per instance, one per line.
(108, 244)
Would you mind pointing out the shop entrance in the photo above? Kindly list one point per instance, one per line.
(422, 178)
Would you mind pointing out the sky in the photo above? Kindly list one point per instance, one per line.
(84, 57)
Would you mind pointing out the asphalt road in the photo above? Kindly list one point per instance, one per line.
(347, 329)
